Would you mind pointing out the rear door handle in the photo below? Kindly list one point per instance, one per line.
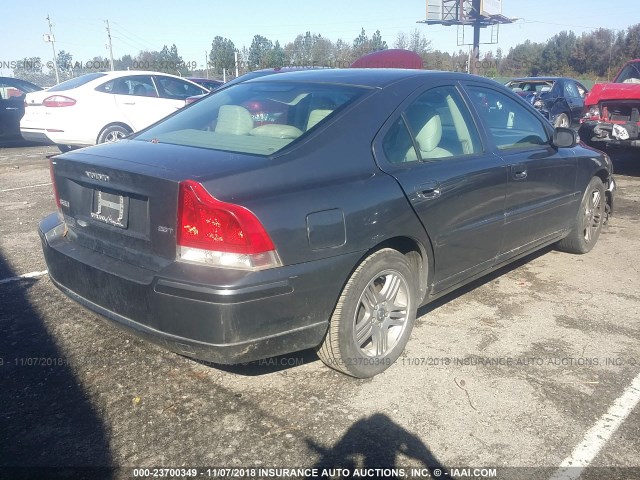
(426, 191)
(519, 172)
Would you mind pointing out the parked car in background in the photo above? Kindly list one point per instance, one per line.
(560, 100)
(612, 113)
(12, 95)
(102, 107)
(371, 192)
(208, 83)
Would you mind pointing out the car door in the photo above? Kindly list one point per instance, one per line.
(11, 108)
(176, 91)
(540, 200)
(433, 149)
(575, 100)
(138, 101)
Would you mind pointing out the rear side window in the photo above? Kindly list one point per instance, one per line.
(510, 124)
(76, 82)
(437, 125)
(137, 85)
(258, 118)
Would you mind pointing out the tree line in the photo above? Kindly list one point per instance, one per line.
(595, 55)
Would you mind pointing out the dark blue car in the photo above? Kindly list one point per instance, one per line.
(229, 235)
(560, 100)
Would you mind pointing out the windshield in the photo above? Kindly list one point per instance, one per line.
(257, 118)
(530, 86)
(76, 82)
(630, 74)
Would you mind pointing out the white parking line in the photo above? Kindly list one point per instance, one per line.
(22, 188)
(22, 277)
(596, 438)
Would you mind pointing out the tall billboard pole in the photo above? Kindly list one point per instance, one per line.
(478, 14)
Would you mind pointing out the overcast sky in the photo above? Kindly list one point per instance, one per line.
(79, 28)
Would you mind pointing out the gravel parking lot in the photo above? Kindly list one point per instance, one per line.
(519, 372)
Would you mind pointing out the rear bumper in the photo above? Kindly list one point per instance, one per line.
(33, 135)
(252, 316)
(42, 135)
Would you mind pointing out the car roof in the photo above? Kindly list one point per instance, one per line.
(541, 79)
(19, 80)
(370, 77)
(125, 73)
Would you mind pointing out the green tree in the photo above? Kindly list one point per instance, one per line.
(169, 61)
(377, 43)
(361, 44)
(401, 41)
(64, 62)
(123, 63)
(419, 43)
(222, 55)
(275, 57)
(258, 50)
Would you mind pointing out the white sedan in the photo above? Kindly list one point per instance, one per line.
(102, 107)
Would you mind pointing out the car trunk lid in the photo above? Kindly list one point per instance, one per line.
(121, 199)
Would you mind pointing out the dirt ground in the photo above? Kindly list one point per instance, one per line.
(508, 373)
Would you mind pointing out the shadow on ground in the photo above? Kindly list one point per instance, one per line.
(17, 142)
(376, 442)
(292, 360)
(48, 426)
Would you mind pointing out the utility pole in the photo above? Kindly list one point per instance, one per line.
(51, 38)
(477, 25)
(110, 46)
(235, 57)
(206, 62)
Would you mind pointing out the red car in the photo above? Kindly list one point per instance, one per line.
(612, 110)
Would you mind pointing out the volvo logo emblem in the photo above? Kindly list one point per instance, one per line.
(97, 176)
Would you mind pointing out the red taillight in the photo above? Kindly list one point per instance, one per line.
(58, 101)
(233, 233)
(53, 183)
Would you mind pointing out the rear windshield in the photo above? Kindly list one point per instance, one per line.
(76, 82)
(530, 86)
(258, 117)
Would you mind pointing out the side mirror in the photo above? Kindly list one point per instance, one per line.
(565, 137)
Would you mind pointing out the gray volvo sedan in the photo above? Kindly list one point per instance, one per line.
(316, 209)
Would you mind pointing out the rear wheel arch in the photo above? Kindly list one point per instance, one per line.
(603, 174)
(420, 257)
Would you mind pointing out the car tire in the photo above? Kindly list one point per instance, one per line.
(563, 120)
(374, 316)
(588, 224)
(113, 133)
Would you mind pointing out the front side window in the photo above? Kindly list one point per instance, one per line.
(441, 127)
(630, 74)
(510, 124)
(258, 117)
(177, 89)
(570, 90)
